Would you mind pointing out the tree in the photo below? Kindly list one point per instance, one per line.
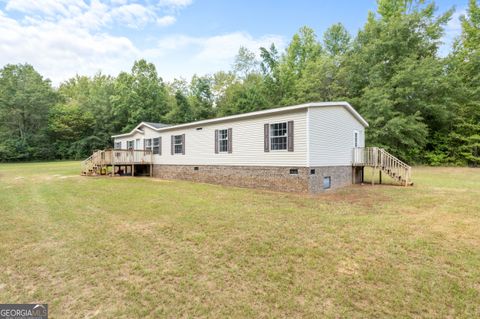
(463, 142)
(25, 99)
(139, 96)
(396, 79)
(336, 40)
(70, 128)
(244, 96)
(245, 63)
(91, 97)
(182, 111)
(303, 48)
(201, 97)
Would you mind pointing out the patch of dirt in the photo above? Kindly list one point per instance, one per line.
(348, 267)
(357, 195)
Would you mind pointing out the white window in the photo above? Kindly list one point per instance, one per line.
(278, 136)
(147, 144)
(130, 144)
(223, 141)
(156, 145)
(118, 145)
(355, 139)
(178, 144)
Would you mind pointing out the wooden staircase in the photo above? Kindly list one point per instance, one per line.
(93, 164)
(381, 160)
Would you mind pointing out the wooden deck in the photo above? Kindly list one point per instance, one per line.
(116, 162)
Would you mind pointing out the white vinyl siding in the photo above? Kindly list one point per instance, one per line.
(247, 143)
(332, 136)
(330, 142)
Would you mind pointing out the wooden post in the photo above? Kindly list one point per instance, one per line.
(113, 164)
(363, 174)
(133, 170)
(380, 176)
(373, 175)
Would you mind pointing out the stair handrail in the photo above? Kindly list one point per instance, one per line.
(396, 164)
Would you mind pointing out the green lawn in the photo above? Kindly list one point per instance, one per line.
(139, 247)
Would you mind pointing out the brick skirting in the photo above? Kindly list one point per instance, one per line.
(264, 177)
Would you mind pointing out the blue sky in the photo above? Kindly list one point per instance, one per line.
(61, 38)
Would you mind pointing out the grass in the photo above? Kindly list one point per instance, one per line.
(139, 247)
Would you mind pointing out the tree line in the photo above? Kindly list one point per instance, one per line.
(421, 106)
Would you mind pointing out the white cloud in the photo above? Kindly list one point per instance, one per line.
(58, 52)
(182, 55)
(133, 15)
(66, 37)
(46, 7)
(94, 14)
(220, 47)
(166, 20)
(175, 3)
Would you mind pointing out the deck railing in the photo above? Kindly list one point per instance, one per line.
(110, 157)
(378, 158)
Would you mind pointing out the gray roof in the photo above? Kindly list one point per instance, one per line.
(157, 125)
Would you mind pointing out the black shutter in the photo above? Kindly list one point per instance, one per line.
(183, 144)
(290, 135)
(160, 145)
(266, 138)
(172, 144)
(230, 140)
(216, 141)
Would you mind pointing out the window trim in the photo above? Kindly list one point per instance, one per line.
(356, 138)
(271, 137)
(147, 144)
(132, 143)
(226, 139)
(158, 146)
(175, 144)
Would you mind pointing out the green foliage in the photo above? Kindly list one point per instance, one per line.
(182, 111)
(421, 107)
(336, 40)
(140, 95)
(244, 96)
(25, 98)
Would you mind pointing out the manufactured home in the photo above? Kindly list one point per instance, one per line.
(310, 147)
